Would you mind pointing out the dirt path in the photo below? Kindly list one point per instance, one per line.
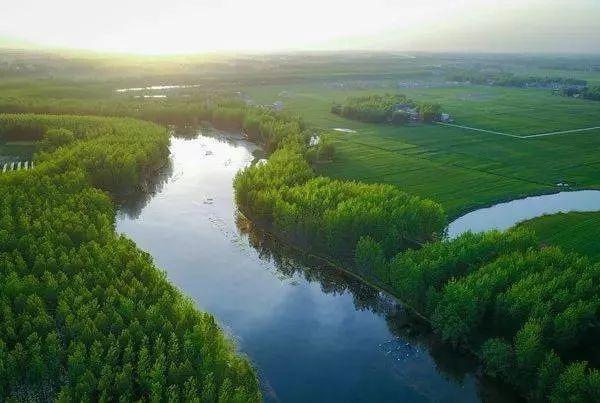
(516, 136)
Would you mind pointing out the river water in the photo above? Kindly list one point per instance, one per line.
(502, 216)
(313, 333)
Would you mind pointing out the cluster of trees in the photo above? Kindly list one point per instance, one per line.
(592, 93)
(86, 316)
(506, 79)
(114, 161)
(387, 108)
(533, 314)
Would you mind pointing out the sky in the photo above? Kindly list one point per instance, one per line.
(196, 26)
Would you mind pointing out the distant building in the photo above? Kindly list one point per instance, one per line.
(445, 118)
(412, 113)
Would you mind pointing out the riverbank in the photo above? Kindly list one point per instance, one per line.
(266, 299)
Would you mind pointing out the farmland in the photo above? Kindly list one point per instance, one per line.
(578, 232)
(460, 168)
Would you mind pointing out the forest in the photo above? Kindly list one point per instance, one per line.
(86, 314)
(388, 108)
(530, 313)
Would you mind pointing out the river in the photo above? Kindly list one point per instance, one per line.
(502, 216)
(313, 333)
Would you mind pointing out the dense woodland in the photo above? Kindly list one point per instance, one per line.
(86, 316)
(531, 314)
(389, 108)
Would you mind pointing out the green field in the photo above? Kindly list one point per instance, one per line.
(515, 111)
(578, 232)
(460, 168)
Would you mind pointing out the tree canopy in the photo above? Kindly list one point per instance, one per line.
(86, 316)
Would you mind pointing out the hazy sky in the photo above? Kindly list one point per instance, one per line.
(188, 26)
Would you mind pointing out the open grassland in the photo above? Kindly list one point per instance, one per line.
(460, 168)
(579, 232)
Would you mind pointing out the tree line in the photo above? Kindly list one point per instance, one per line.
(388, 108)
(507, 79)
(86, 316)
(591, 92)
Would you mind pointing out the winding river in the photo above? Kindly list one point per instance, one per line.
(502, 216)
(313, 333)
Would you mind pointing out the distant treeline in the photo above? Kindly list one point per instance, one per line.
(177, 111)
(86, 316)
(506, 79)
(570, 87)
(388, 108)
(592, 93)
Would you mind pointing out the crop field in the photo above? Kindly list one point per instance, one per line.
(462, 169)
(578, 232)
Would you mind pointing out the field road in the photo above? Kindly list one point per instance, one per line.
(517, 136)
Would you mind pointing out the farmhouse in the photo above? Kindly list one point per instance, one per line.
(445, 118)
(412, 113)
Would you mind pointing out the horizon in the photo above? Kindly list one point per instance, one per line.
(230, 27)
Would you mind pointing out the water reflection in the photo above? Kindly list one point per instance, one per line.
(314, 333)
(132, 204)
(411, 338)
(502, 216)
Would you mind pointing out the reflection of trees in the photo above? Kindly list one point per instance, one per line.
(402, 323)
(132, 204)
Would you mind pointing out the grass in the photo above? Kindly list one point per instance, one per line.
(462, 169)
(578, 232)
(515, 111)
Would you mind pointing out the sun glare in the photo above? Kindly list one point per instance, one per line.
(186, 26)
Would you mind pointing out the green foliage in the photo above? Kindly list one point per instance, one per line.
(86, 315)
(498, 357)
(369, 256)
(389, 108)
(577, 384)
(420, 275)
(333, 215)
(526, 309)
(55, 138)
(507, 79)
